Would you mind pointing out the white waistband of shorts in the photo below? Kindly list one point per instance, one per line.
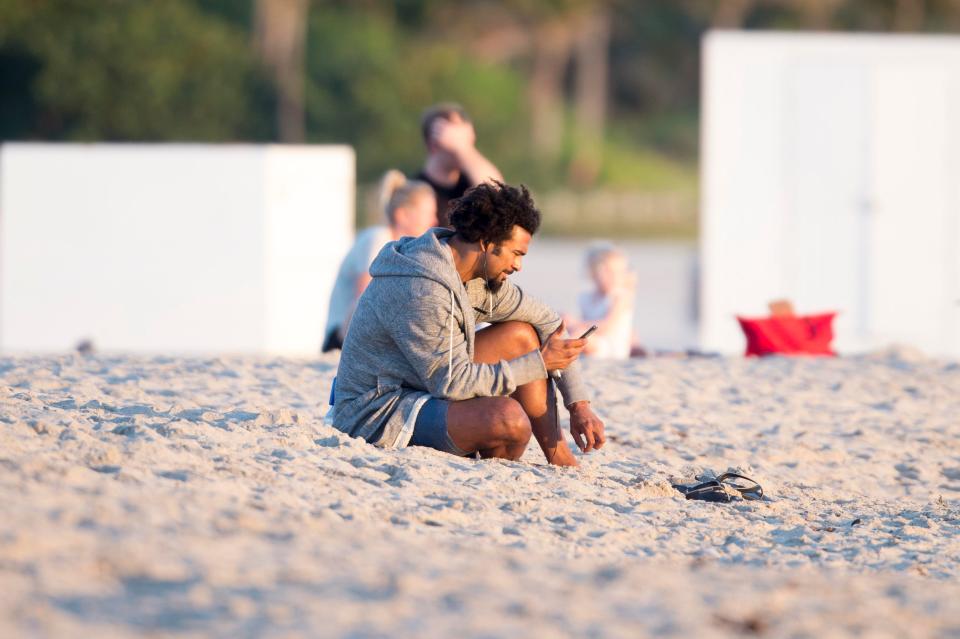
(406, 433)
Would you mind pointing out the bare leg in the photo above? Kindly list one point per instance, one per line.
(494, 426)
(512, 339)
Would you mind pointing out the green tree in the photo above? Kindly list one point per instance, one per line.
(136, 70)
(369, 78)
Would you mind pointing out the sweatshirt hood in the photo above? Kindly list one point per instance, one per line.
(425, 256)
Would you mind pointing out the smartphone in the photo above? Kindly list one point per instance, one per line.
(557, 374)
(589, 332)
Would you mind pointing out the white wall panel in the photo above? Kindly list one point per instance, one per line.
(829, 177)
(182, 248)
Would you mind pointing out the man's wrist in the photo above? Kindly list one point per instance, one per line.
(583, 404)
(465, 154)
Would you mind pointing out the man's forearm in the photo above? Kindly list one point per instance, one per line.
(571, 385)
(476, 167)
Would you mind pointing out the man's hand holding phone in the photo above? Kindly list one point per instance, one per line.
(559, 352)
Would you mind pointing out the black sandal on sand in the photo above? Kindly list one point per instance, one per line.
(718, 489)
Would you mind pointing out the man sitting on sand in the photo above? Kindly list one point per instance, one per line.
(414, 369)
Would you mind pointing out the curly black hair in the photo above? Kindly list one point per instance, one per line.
(489, 211)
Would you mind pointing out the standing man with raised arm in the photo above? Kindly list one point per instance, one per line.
(414, 369)
(453, 162)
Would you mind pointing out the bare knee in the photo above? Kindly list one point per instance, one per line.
(505, 340)
(524, 336)
(512, 424)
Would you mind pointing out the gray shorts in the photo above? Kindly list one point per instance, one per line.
(431, 428)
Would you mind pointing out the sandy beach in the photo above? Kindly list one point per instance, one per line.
(155, 496)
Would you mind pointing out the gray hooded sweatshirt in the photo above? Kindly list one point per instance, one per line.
(412, 338)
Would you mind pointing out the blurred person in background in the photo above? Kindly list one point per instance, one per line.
(453, 162)
(609, 304)
(410, 209)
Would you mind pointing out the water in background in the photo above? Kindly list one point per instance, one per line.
(666, 306)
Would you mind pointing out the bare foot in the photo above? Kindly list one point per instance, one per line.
(562, 456)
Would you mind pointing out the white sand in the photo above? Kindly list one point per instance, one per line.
(204, 496)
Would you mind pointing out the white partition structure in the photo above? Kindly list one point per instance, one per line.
(171, 247)
(831, 176)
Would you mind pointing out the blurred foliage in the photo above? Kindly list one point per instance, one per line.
(188, 70)
(367, 81)
(122, 70)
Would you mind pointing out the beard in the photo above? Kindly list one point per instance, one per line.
(494, 285)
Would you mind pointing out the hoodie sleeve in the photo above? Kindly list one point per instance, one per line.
(512, 304)
(426, 324)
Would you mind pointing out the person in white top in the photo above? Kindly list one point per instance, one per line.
(410, 208)
(609, 305)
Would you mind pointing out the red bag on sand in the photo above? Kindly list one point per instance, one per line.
(789, 334)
